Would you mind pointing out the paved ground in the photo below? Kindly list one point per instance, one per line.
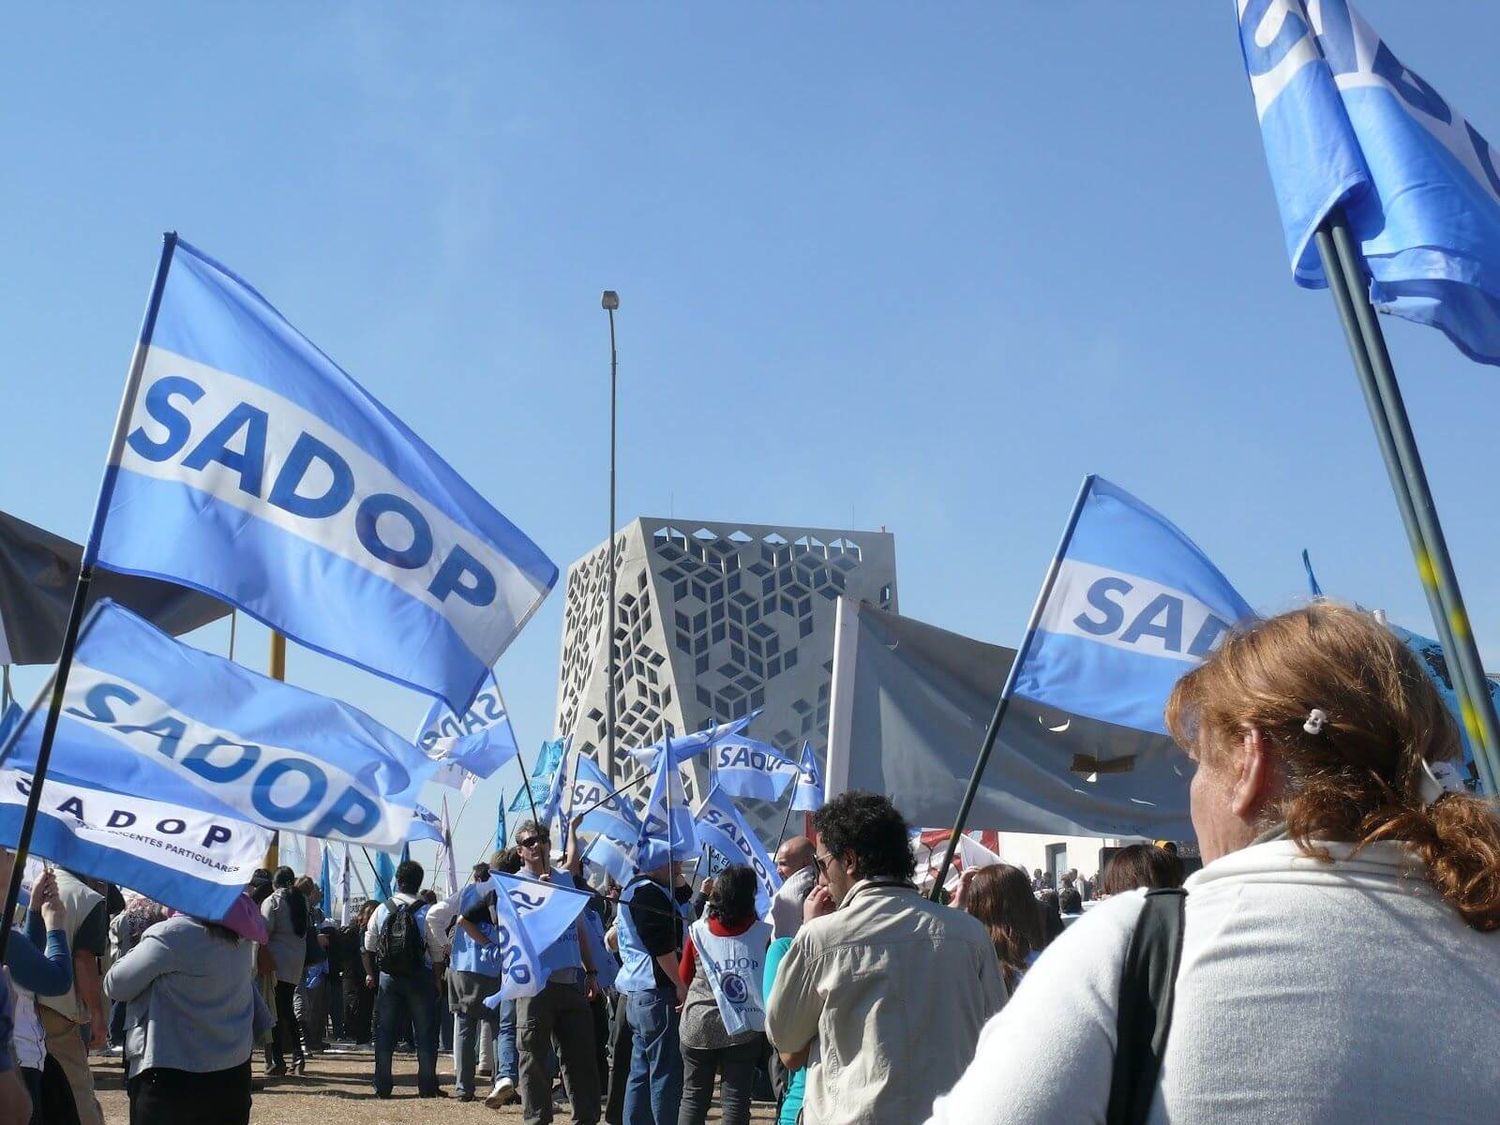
(336, 1091)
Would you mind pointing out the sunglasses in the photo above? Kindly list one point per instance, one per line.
(823, 861)
(533, 841)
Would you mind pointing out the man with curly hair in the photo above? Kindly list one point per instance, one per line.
(882, 993)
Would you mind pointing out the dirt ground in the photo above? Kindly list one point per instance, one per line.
(336, 1091)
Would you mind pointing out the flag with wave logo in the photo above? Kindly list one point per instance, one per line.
(1345, 122)
(145, 714)
(530, 917)
(254, 468)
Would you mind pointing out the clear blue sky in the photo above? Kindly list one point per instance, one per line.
(914, 266)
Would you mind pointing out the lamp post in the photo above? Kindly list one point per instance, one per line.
(609, 302)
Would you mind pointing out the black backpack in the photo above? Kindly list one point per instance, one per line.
(1143, 1019)
(401, 950)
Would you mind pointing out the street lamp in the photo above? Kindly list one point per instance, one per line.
(609, 302)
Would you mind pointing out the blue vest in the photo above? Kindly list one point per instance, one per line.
(636, 973)
(604, 961)
(564, 952)
(467, 955)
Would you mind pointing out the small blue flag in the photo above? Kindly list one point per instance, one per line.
(1135, 605)
(534, 791)
(425, 825)
(809, 794)
(255, 469)
(500, 830)
(666, 822)
(1312, 579)
(743, 767)
(325, 885)
(144, 713)
(1344, 122)
(385, 875)
(721, 827)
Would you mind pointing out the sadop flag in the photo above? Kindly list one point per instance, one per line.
(666, 821)
(1344, 122)
(1134, 605)
(722, 828)
(613, 817)
(690, 745)
(255, 469)
(474, 745)
(809, 794)
(190, 860)
(145, 714)
(743, 767)
(531, 916)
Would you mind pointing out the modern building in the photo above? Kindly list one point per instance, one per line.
(713, 620)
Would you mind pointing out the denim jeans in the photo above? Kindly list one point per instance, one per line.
(654, 1092)
(402, 1002)
(508, 1056)
(466, 1032)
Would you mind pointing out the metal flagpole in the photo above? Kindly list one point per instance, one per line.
(85, 580)
(1343, 265)
(520, 761)
(1003, 703)
(786, 820)
(610, 301)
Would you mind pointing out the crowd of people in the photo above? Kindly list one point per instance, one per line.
(1335, 958)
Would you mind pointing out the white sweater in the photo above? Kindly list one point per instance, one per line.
(1307, 993)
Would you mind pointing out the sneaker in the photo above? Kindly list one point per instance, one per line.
(503, 1094)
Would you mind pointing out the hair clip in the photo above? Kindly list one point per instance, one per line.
(1438, 780)
(1316, 720)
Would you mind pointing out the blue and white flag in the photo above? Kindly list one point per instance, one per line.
(551, 809)
(144, 713)
(531, 916)
(474, 746)
(722, 828)
(613, 817)
(425, 825)
(1135, 605)
(192, 861)
(256, 470)
(1344, 122)
(690, 745)
(666, 821)
(613, 857)
(809, 795)
(534, 791)
(743, 767)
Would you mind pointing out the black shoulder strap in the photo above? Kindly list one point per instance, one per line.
(1144, 1016)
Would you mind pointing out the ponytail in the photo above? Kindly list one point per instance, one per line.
(1458, 841)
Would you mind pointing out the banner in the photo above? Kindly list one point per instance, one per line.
(743, 767)
(474, 746)
(1135, 605)
(722, 828)
(145, 714)
(255, 469)
(911, 703)
(38, 571)
(192, 861)
(809, 795)
(1344, 122)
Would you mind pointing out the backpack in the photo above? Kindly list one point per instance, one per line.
(402, 949)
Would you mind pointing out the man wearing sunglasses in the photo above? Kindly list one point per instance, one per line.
(561, 1009)
(892, 989)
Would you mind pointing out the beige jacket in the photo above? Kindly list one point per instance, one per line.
(895, 990)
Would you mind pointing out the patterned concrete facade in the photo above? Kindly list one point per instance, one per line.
(713, 620)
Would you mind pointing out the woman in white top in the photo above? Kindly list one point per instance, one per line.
(1339, 960)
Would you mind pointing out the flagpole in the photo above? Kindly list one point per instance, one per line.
(85, 580)
(786, 820)
(1003, 703)
(1344, 268)
(520, 761)
(610, 301)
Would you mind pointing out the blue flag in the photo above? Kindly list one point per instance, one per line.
(743, 767)
(425, 825)
(531, 916)
(666, 822)
(809, 795)
(193, 861)
(325, 885)
(691, 745)
(551, 809)
(476, 745)
(500, 830)
(145, 714)
(1343, 121)
(613, 818)
(722, 828)
(1134, 606)
(256, 470)
(385, 875)
(1312, 579)
(534, 791)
